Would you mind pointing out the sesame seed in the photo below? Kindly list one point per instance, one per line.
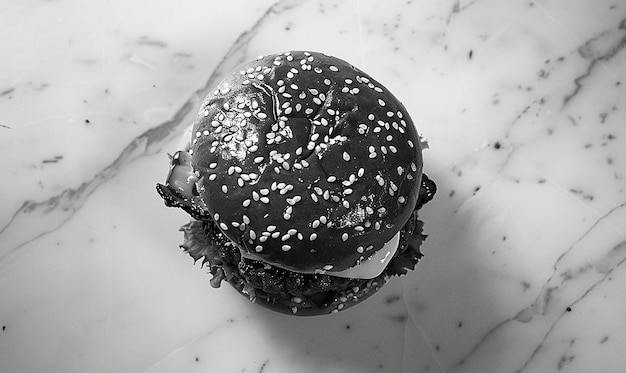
(216, 216)
(360, 249)
(258, 159)
(314, 197)
(286, 216)
(346, 156)
(224, 189)
(252, 234)
(212, 177)
(359, 228)
(213, 165)
(285, 237)
(224, 226)
(323, 219)
(265, 191)
(333, 68)
(331, 179)
(401, 199)
(316, 223)
(275, 235)
(347, 191)
(313, 236)
(246, 203)
(265, 200)
(271, 228)
(346, 204)
(258, 249)
(344, 237)
(328, 267)
(381, 102)
(286, 247)
(262, 115)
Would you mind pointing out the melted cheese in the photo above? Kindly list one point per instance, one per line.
(374, 265)
(369, 268)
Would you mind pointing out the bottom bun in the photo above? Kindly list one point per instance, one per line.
(299, 293)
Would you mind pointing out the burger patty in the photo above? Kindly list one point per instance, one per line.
(206, 243)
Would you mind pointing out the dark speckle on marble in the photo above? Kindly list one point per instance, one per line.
(7, 92)
(54, 159)
(147, 41)
(565, 359)
(399, 318)
(262, 368)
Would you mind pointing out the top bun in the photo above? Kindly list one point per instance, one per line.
(306, 162)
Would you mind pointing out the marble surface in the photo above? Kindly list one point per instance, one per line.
(523, 104)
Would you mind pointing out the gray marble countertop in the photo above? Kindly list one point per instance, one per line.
(523, 104)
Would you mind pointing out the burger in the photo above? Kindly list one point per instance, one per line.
(303, 179)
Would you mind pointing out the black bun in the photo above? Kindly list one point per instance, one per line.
(305, 161)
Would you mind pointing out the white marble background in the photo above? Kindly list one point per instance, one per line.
(523, 103)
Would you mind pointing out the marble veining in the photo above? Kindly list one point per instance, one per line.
(523, 104)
